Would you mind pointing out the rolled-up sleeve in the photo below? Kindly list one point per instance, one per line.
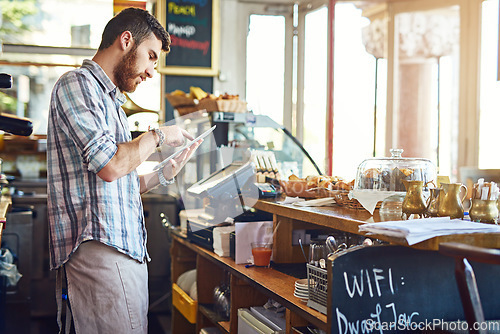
(84, 121)
(98, 153)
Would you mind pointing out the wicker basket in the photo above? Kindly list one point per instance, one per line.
(342, 199)
(237, 106)
(299, 188)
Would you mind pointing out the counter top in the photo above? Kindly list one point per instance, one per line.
(5, 203)
(349, 220)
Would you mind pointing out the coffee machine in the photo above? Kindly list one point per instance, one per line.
(10, 123)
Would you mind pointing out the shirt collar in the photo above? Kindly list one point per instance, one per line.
(104, 80)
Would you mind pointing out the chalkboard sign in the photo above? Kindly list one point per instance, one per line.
(390, 289)
(193, 26)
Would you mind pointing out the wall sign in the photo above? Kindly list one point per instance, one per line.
(194, 27)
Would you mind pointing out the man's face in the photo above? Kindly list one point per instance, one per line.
(137, 64)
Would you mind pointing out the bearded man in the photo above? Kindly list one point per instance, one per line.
(96, 223)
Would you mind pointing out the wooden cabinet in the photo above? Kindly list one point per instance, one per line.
(253, 286)
(249, 287)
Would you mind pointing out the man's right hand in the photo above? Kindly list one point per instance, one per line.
(175, 136)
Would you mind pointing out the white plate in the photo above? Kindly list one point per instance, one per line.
(301, 295)
(304, 299)
(301, 282)
(305, 290)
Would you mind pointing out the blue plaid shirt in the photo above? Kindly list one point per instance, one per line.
(86, 122)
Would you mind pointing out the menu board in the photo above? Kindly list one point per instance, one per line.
(386, 289)
(193, 28)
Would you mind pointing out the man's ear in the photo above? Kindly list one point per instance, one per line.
(126, 40)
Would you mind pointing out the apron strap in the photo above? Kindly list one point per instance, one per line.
(59, 297)
(59, 300)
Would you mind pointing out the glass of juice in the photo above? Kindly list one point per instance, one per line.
(262, 253)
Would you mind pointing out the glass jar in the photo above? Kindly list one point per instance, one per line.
(387, 174)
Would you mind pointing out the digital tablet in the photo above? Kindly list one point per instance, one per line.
(181, 149)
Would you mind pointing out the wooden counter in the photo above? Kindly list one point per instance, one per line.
(253, 286)
(349, 220)
(5, 203)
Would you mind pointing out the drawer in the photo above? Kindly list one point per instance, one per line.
(184, 303)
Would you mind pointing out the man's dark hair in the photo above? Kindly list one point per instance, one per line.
(140, 23)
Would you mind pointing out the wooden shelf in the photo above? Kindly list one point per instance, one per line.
(208, 311)
(267, 281)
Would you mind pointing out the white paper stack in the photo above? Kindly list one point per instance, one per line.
(221, 240)
(418, 230)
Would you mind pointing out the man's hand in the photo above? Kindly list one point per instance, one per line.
(175, 136)
(174, 167)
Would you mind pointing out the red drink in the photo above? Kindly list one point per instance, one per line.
(261, 256)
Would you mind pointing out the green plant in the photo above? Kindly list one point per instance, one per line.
(13, 17)
(7, 103)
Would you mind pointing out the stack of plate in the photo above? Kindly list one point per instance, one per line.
(301, 290)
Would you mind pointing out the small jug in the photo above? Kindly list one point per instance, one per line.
(433, 202)
(414, 201)
(484, 211)
(451, 204)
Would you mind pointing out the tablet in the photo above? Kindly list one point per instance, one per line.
(181, 149)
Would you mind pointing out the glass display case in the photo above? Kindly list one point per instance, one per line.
(234, 139)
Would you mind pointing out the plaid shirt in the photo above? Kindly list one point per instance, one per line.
(86, 122)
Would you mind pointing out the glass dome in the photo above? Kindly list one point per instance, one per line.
(387, 174)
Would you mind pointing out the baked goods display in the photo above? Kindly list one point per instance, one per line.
(387, 174)
(197, 99)
(314, 186)
(223, 102)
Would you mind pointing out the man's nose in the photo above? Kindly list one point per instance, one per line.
(150, 71)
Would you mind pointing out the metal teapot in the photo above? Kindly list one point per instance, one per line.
(433, 202)
(414, 201)
(451, 204)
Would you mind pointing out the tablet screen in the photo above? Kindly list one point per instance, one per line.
(179, 151)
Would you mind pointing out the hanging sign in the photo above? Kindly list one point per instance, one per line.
(193, 26)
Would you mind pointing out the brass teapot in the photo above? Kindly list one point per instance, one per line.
(433, 202)
(484, 211)
(451, 204)
(414, 201)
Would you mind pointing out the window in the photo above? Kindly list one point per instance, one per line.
(354, 93)
(490, 88)
(315, 85)
(265, 65)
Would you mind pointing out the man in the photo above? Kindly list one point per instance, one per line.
(97, 231)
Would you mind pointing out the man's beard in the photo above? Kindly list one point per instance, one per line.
(125, 72)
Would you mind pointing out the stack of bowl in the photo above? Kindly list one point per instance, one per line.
(301, 290)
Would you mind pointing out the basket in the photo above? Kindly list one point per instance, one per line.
(237, 106)
(318, 282)
(299, 188)
(184, 303)
(342, 199)
(179, 100)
